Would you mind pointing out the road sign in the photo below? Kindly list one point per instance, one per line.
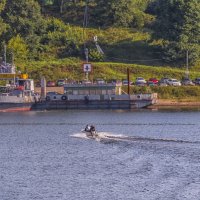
(87, 67)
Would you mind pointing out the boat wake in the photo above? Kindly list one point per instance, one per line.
(100, 136)
(110, 137)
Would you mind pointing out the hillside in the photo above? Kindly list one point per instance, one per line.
(47, 37)
(123, 48)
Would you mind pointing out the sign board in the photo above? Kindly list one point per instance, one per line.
(7, 76)
(87, 67)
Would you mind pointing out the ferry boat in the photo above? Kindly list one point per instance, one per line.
(18, 93)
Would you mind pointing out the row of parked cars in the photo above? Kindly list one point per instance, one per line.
(140, 81)
(61, 82)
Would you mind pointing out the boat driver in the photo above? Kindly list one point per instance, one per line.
(90, 128)
(87, 128)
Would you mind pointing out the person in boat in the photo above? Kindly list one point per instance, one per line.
(90, 128)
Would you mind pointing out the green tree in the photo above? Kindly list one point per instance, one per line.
(18, 47)
(124, 13)
(2, 24)
(2, 5)
(24, 17)
(111, 12)
(178, 23)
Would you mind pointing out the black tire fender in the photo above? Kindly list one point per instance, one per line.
(64, 98)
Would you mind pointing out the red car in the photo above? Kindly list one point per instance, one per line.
(153, 80)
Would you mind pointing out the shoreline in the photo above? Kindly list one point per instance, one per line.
(161, 103)
(174, 103)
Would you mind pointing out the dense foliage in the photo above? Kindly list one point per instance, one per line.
(178, 23)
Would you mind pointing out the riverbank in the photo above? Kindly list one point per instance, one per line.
(161, 103)
(175, 103)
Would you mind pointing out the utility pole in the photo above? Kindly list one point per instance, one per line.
(187, 64)
(128, 77)
(85, 24)
(5, 54)
(61, 6)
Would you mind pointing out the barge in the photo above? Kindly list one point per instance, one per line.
(94, 96)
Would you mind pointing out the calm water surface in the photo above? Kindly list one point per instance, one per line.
(44, 156)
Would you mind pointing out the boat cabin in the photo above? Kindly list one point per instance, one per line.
(92, 89)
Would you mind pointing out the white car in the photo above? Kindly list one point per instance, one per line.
(140, 81)
(173, 82)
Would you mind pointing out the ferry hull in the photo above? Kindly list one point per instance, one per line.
(15, 107)
(91, 105)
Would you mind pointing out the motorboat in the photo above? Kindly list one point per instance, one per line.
(90, 131)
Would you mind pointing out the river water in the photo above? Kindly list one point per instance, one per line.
(152, 155)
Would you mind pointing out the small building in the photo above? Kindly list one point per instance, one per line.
(92, 89)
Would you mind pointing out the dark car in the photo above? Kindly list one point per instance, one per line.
(187, 81)
(197, 81)
(163, 81)
(51, 84)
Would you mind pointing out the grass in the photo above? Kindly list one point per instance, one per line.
(72, 68)
(184, 93)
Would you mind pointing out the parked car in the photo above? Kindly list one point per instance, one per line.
(187, 81)
(174, 82)
(140, 81)
(151, 83)
(160, 83)
(197, 81)
(100, 81)
(86, 82)
(154, 80)
(60, 82)
(163, 81)
(51, 84)
(125, 82)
